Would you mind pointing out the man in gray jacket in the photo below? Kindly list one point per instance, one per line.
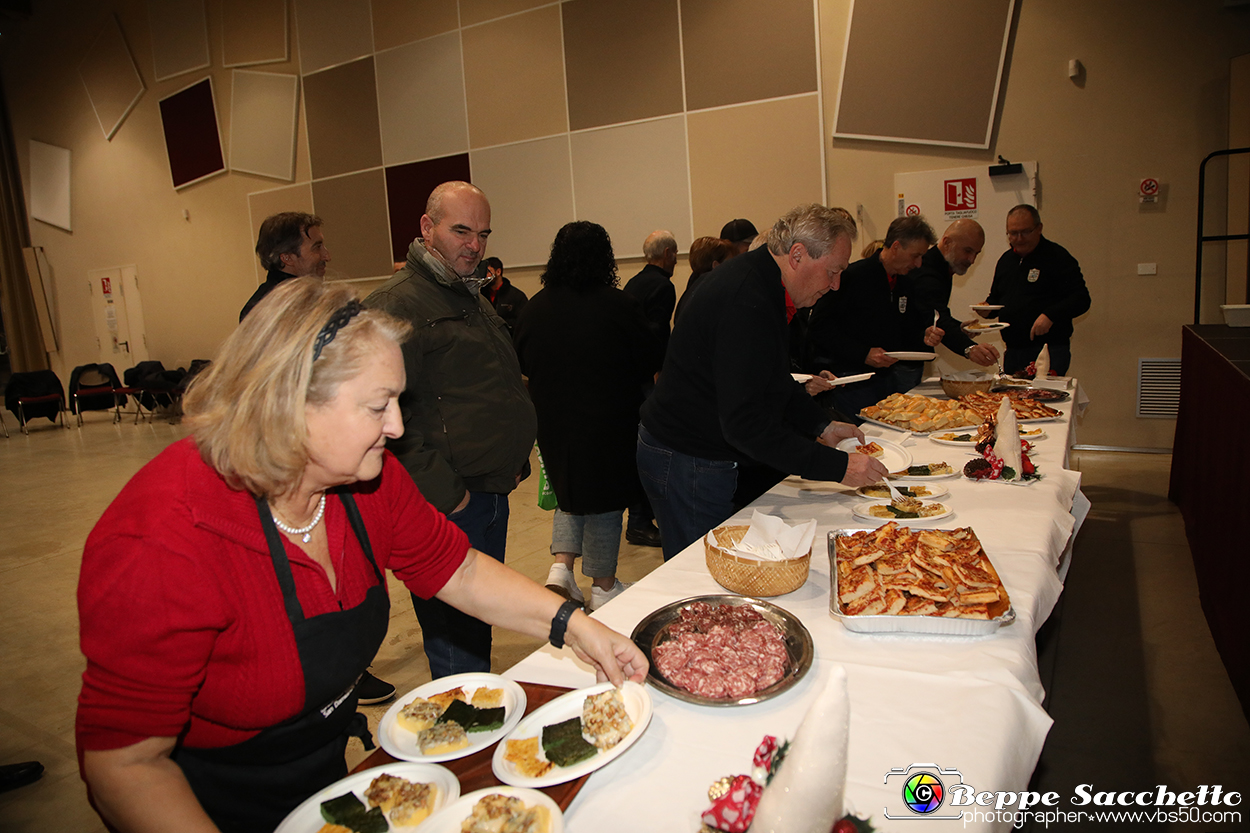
(469, 424)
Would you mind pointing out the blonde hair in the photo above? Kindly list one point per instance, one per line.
(816, 226)
(246, 410)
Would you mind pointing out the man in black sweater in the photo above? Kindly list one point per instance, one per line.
(725, 395)
(1041, 289)
(953, 255)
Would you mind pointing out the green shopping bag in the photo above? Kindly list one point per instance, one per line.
(546, 495)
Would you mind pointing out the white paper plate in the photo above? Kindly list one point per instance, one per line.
(935, 491)
(306, 818)
(986, 307)
(934, 437)
(912, 356)
(448, 819)
(637, 706)
(801, 377)
(403, 744)
(987, 327)
(893, 456)
(924, 478)
(861, 511)
(850, 380)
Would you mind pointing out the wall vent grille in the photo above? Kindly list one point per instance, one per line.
(1158, 388)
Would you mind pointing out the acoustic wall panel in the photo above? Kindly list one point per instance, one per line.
(396, 22)
(883, 57)
(514, 78)
(179, 31)
(264, 110)
(756, 161)
(332, 32)
(421, 100)
(192, 137)
(262, 204)
(354, 210)
(740, 50)
(253, 32)
(635, 76)
(408, 188)
(111, 77)
(473, 12)
(341, 108)
(632, 180)
(49, 184)
(530, 190)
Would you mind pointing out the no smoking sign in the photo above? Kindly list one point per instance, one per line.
(1148, 190)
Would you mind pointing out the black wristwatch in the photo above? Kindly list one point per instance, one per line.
(560, 623)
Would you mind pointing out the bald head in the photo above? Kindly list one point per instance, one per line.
(456, 225)
(660, 249)
(435, 205)
(961, 243)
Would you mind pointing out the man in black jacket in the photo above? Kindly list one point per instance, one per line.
(503, 296)
(290, 245)
(953, 255)
(1041, 289)
(725, 394)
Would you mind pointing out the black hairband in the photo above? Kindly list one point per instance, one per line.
(337, 322)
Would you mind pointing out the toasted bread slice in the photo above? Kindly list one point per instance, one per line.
(443, 699)
(488, 698)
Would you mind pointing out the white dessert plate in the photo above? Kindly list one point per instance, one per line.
(985, 307)
(935, 491)
(306, 818)
(987, 327)
(901, 474)
(862, 511)
(637, 705)
(449, 819)
(912, 356)
(893, 456)
(402, 743)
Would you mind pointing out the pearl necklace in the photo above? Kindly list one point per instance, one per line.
(306, 531)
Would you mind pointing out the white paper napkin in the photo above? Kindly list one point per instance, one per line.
(769, 538)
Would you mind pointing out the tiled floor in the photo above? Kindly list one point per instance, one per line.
(1137, 691)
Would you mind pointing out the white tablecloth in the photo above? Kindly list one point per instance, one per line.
(970, 704)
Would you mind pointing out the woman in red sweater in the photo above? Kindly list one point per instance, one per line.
(233, 593)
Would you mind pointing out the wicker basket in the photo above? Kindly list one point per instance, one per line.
(751, 576)
(955, 388)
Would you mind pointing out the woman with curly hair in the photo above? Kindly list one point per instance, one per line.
(586, 349)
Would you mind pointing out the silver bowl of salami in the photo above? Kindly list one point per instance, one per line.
(724, 650)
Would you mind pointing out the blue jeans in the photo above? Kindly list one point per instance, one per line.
(690, 495)
(596, 538)
(455, 642)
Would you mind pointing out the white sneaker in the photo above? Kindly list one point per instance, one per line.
(560, 581)
(598, 597)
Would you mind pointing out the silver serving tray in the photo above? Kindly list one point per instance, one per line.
(887, 623)
(653, 629)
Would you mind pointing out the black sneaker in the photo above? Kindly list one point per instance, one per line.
(371, 691)
(643, 536)
(13, 776)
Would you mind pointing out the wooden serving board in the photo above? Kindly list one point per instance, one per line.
(474, 771)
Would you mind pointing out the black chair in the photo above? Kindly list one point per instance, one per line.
(36, 393)
(95, 387)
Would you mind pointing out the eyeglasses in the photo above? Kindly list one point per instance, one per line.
(1024, 233)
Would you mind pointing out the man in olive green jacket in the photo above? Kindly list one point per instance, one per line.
(469, 424)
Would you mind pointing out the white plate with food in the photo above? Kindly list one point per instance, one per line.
(520, 758)
(986, 326)
(307, 818)
(986, 307)
(925, 471)
(958, 438)
(892, 455)
(398, 736)
(1031, 434)
(457, 816)
(925, 491)
(865, 512)
(912, 356)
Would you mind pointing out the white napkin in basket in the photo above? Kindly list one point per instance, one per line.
(769, 538)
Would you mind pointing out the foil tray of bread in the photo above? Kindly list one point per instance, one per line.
(893, 579)
(920, 414)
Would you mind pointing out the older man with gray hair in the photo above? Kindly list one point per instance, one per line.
(653, 286)
(725, 395)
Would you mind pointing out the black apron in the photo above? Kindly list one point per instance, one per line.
(251, 786)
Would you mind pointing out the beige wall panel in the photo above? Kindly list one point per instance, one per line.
(264, 110)
(522, 226)
(421, 100)
(179, 32)
(738, 50)
(755, 161)
(514, 78)
(264, 204)
(478, 11)
(632, 180)
(623, 60)
(354, 210)
(253, 32)
(113, 83)
(332, 32)
(341, 106)
(397, 22)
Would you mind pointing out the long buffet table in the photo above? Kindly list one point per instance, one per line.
(969, 704)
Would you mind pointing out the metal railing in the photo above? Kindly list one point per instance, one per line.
(1209, 238)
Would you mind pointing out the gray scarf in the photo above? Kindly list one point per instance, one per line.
(447, 276)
